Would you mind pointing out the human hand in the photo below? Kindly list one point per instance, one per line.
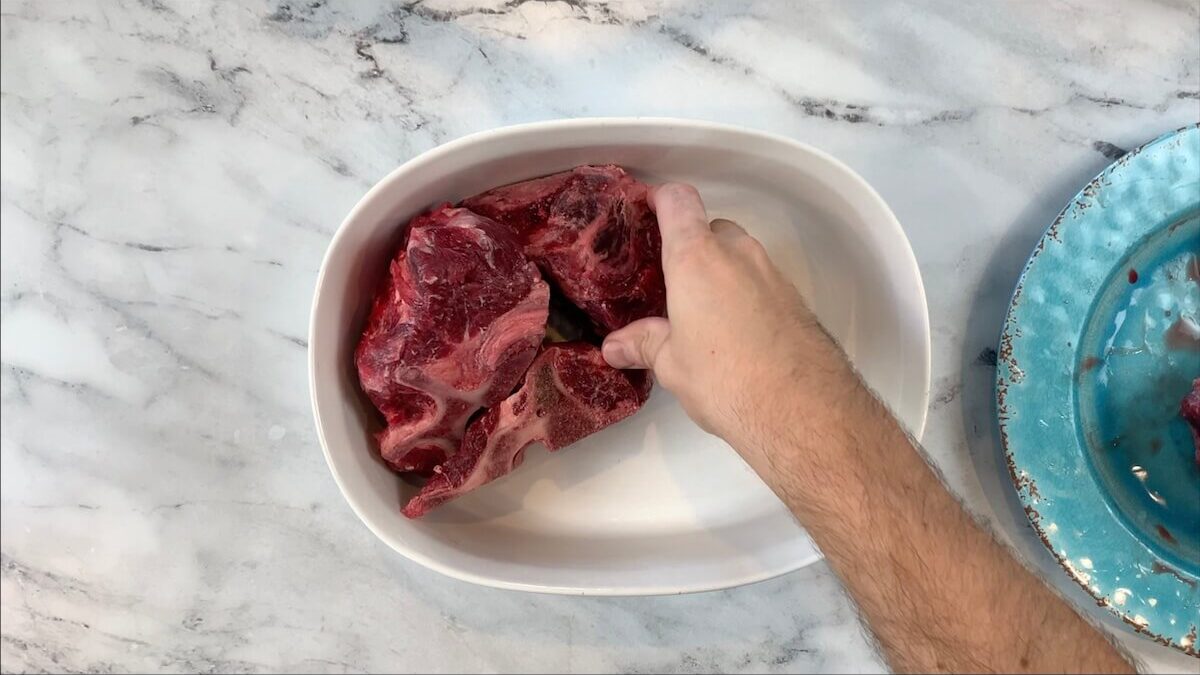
(737, 329)
(750, 363)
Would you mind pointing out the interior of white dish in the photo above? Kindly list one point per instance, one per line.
(652, 504)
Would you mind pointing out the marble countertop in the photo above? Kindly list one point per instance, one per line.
(173, 171)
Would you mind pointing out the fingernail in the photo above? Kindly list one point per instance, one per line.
(616, 354)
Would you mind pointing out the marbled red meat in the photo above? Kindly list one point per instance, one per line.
(1190, 410)
(453, 329)
(569, 393)
(458, 323)
(592, 232)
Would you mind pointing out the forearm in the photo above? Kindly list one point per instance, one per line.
(750, 363)
(937, 590)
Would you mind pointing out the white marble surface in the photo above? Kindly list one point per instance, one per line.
(172, 173)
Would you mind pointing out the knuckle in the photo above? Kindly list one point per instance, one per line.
(699, 251)
(752, 247)
(727, 226)
(652, 342)
(679, 190)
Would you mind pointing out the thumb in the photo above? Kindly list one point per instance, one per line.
(638, 344)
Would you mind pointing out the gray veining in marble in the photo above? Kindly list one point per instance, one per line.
(172, 173)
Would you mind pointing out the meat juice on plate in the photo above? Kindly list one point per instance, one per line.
(1137, 361)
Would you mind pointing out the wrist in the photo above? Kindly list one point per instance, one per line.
(807, 439)
(809, 391)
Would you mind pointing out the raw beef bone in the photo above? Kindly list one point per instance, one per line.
(569, 392)
(453, 329)
(591, 230)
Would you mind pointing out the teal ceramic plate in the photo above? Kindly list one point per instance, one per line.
(1098, 349)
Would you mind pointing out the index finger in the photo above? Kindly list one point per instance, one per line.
(681, 215)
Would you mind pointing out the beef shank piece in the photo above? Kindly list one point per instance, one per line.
(453, 329)
(592, 232)
(569, 393)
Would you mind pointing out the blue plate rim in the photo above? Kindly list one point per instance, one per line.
(1008, 373)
